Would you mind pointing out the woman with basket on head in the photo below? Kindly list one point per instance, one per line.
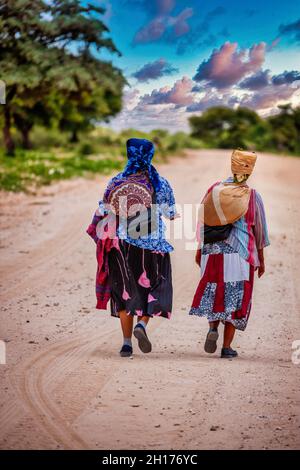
(235, 235)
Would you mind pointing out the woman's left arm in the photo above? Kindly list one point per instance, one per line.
(261, 268)
(260, 230)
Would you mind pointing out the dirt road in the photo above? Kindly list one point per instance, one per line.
(64, 385)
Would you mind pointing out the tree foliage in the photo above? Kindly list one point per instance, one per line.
(50, 62)
(223, 127)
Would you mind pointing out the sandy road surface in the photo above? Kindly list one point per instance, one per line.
(64, 385)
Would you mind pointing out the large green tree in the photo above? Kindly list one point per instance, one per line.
(96, 96)
(50, 62)
(285, 126)
(224, 127)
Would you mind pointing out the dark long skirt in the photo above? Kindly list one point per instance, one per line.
(140, 281)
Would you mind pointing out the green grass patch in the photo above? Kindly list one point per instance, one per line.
(103, 151)
(30, 169)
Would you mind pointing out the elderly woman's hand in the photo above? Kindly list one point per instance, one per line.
(261, 269)
(198, 257)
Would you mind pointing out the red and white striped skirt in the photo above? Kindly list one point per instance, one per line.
(226, 285)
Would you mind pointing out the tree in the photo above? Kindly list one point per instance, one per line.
(286, 129)
(228, 128)
(245, 126)
(96, 91)
(96, 98)
(21, 55)
(49, 53)
(211, 123)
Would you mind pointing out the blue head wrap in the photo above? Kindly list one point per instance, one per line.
(140, 153)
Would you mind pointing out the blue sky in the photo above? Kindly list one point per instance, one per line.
(181, 57)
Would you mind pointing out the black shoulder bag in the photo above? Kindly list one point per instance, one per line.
(216, 233)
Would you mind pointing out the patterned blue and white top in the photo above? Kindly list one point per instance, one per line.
(164, 206)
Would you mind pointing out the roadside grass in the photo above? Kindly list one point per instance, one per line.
(30, 169)
(103, 151)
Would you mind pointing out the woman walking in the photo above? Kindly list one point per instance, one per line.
(134, 267)
(235, 235)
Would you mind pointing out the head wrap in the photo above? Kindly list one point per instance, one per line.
(228, 201)
(140, 153)
(242, 162)
(137, 183)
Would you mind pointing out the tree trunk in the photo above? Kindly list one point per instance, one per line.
(8, 141)
(26, 144)
(74, 137)
(24, 126)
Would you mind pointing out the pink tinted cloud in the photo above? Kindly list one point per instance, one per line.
(163, 23)
(180, 94)
(211, 98)
(130, 98)
(154, 70)
(269, 97)
(151, 32)
(165, 6)
(181, 25)
(228, 65)
(171, 111)
(273, 44)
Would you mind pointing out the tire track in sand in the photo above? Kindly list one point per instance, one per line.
(34, 379)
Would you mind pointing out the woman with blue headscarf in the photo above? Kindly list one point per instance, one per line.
(134, 268)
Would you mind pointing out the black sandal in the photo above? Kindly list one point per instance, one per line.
(228, 353)
(126, 351)
(210, 345)
(143, 340)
